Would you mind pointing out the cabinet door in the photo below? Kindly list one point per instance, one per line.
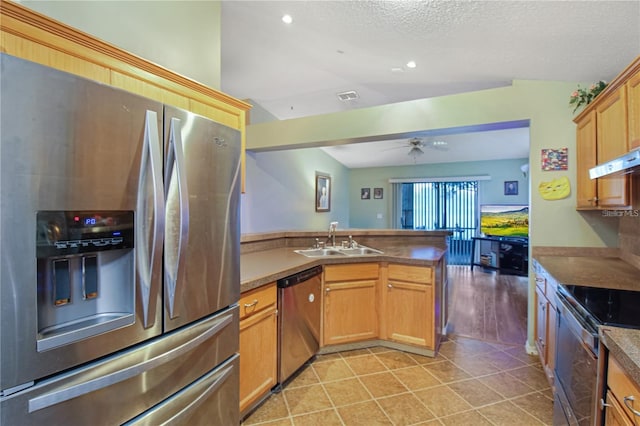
(614, 414)
(350, 312)
(612, 137)
(541, 325)
(408, 313)
(258, 343)
(551, 341)
(633, 102)
(586, 159)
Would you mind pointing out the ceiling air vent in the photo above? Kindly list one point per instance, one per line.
(348, 96)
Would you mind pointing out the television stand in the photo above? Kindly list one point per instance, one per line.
(506, 255)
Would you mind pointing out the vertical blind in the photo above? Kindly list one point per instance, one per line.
(439, 205)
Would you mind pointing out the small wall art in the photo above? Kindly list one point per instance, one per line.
(554, 159)
(323, 193)
(511, 187)
(365, 193)
(377, 193)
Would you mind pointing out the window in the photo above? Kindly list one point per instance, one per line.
(440, 205)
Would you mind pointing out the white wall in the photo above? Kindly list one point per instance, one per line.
(364, 213)
(280, 191)
(183, 36)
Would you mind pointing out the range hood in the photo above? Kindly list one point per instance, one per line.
(621, 165)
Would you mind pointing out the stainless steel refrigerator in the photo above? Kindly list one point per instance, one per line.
(119, 240)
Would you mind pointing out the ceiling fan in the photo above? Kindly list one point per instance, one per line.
(416, 145)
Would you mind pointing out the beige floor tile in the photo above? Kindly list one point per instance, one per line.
(365, 413)
(475, 366)
(466, 419)
(507, 414)
(396, 359)
(273, 408)
(538, 405)
(475, 393)
(506, 385)
(307, 399)
(502, 360)
(305, 377)
(382, 384)
(474, 346)
(519, 352)
(366, 364)
(442, 401)
(327, 357)
(404, 409)
(281, 422)
(336, 369)
(345, 392)
(421, 359)
(446, 371)
(415, 378)
(319, 418)
(379, 349)
(532, 376)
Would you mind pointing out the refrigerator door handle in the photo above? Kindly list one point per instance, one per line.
(149, 219)
(218, 380)
(65, 394)
(177, 217)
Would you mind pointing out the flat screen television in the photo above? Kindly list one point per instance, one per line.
(504, 220)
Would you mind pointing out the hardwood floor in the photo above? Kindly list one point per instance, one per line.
(487, 306)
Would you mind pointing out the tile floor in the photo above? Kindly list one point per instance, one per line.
(470, 382)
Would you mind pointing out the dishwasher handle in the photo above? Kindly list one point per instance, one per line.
(299, 277)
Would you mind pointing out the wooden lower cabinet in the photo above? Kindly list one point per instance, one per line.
(622, 395)
(408, 305)
(546, 320)
(258, 344)
(350, 312)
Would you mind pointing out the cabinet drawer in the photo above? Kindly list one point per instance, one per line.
(623, 387)
(358, 271)
(414, 274)
(258, 299)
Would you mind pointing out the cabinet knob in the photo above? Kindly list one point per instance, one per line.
(603, 404)
(327, 290)
(389, 285)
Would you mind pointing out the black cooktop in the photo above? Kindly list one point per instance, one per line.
(620, 308)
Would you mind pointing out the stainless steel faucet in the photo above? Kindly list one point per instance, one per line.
(332, 233)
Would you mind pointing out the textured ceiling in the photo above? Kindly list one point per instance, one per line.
(297, 70)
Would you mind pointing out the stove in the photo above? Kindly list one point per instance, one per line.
(604, 306)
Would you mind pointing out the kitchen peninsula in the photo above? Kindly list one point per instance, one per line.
(395, 299)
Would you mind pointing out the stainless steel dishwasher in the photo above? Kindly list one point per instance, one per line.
(298, 320)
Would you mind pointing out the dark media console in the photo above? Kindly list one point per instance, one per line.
(504, 254)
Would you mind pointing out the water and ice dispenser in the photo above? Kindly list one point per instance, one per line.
(86, 274)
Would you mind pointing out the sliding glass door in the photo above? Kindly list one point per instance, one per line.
(440, 205)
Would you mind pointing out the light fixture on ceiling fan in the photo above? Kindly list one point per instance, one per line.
(416, 145)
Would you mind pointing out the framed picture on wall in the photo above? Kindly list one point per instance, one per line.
(377, 193)
(323, 193)
(365, 193)
(511, 187)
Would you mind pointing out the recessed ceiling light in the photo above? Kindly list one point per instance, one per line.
(287, 19)
(411, 64)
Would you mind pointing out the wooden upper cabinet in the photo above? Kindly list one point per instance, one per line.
(633, 100)
(586, 159)
(612, 142)
(608, 128)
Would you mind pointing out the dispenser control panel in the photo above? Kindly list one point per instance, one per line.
(64, 233)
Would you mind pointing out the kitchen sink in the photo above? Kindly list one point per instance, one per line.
(338, 251)
(360, 251)
(325, 252)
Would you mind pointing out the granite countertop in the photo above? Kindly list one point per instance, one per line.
(590, 271)
(624, 345)
(262, 267)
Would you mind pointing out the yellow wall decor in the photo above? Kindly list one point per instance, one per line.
(557, 189)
